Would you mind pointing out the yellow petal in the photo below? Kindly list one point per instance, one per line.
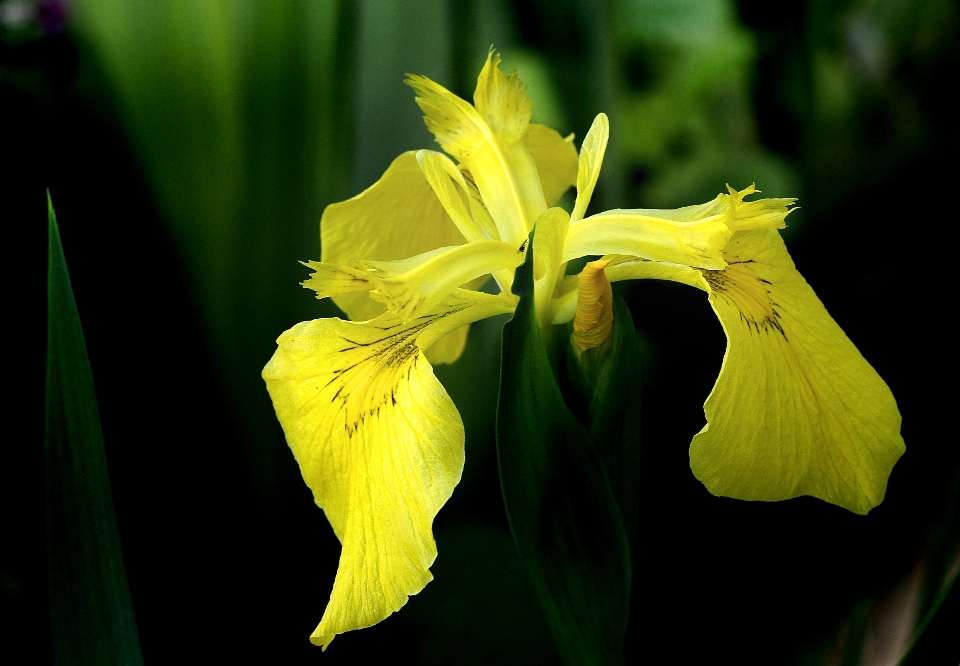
(489, 145)
(452, 191)
(399, 216)
(380, 444)
(448, 348)
(651, 235)
(502, 100)
(796, 409)
(591, 159)
(549, 242)
(419, 283)
(556, 160)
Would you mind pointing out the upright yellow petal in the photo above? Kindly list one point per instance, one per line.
(380, 444)
(556, 160)
(399, 216)
(548, 262)
(502, 100)
(796, 409)
(453, 193)
(591, 159)
(488, 144)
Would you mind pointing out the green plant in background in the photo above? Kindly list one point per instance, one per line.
(795, 411)
(241, 115)
(686, 109)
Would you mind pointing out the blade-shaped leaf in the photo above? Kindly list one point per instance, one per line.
(91, 614)
(561, 509)
(605, 381)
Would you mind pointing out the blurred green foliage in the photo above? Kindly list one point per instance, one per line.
(240, 114)
(245, 118)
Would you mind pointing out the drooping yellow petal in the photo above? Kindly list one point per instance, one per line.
(556, 160)
(399, 216)
(487, 141)
(380, 444)
(594, 317)
(796, 409)
(416, 285)
(591, 159)
(645, 233)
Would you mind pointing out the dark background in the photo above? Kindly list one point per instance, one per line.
(189, 150)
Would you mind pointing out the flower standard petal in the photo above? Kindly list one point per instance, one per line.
(548, 263)
(397, 217)
(591, 159)
(556, 160)
(452, 191)
(380, 444)
(488, 143)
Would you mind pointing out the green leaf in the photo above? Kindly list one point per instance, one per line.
(91, 615)
(605, 381)
(558, 500)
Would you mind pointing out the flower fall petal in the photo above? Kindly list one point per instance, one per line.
(796, 409)
(380, 444)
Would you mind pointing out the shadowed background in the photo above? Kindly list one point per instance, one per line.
(190, 149)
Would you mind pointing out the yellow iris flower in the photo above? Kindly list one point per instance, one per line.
(796, 409)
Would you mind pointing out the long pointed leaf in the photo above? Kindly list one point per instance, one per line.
(562, 512)
(605, 381)
(91, 613)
